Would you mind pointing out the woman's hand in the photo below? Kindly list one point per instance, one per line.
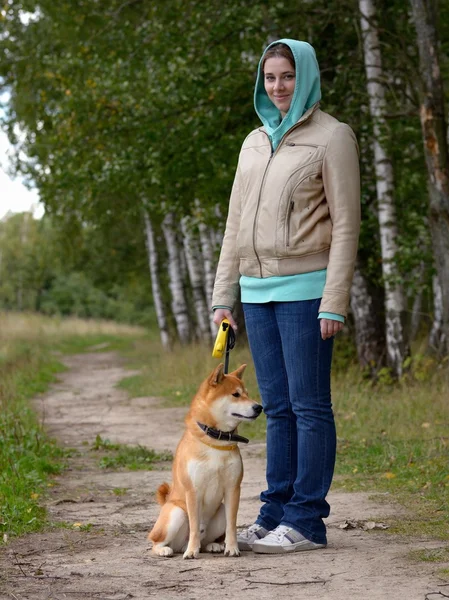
(329, 328)
(224, 313)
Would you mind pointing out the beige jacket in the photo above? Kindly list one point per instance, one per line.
(294, 211)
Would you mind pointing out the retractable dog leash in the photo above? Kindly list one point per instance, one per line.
(224, 342)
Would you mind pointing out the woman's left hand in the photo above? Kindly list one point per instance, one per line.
(329, 328)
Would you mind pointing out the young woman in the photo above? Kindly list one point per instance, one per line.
(290, 245)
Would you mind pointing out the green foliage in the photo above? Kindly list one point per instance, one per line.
(39, 272)
(131, 457)
(132, 106)
(28, 457)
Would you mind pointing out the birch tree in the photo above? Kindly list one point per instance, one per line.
(434, 128)
(196, 276)
(397, 346)
(155, 283)
(176, 285)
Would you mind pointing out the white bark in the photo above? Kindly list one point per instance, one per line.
(436, 333)
(155, 284)
(209, 267)
(196, 275)
(175, 272)
(397, 346)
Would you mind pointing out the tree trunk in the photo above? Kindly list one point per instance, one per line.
(155, 284)
(175, 272)
(397, 344)
(369, 326)
(433, 124)
(209, 267)
(435, 336)
(196, 275)
(416, 317)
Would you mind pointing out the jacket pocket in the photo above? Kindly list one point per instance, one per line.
(291, 206)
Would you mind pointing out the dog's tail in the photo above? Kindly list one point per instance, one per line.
(162, 493)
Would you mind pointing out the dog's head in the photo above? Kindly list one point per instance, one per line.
(225, 399)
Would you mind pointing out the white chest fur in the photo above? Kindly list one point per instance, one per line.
(210, 477)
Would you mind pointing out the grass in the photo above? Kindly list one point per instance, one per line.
(392, 438)
(118, 456)
(28, 456)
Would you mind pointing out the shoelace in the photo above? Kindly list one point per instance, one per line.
(280, 531)
(252, 529)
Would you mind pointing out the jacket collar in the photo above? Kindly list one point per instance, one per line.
(305, 117)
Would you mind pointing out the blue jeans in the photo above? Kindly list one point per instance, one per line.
(293, 366)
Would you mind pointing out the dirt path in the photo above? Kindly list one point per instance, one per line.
(111, 559)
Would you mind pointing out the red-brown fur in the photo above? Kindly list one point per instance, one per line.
(221, 402)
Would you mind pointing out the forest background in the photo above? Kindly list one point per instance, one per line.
(128, 117)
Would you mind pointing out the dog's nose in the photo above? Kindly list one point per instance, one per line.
(257, 408)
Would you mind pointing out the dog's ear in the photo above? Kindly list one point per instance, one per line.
(239, 372)
(217, 376)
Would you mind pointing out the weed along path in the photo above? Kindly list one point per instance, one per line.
(101, 552)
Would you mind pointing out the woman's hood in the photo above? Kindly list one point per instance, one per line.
(307, 91)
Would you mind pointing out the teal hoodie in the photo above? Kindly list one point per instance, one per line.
(307, 91)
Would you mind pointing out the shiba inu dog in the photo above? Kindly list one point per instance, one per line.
(199, 508)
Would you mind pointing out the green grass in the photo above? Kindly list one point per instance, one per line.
(118, 456)
(430, 555)
(27, 456)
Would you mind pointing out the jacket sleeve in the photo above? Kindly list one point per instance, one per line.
(226, 284)
(341, 180)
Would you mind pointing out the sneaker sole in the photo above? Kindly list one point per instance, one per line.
(244, 546)
(298, 547)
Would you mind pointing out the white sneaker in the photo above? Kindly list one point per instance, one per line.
(284, 539)
(247, 537)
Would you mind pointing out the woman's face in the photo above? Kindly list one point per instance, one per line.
(279, 79)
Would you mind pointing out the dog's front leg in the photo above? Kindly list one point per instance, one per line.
(193, 512)
(231, 502)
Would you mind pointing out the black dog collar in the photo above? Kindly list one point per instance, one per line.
(226, 436)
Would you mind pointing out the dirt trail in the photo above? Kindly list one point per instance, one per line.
(111, 560)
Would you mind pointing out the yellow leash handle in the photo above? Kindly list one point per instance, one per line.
(221, 339)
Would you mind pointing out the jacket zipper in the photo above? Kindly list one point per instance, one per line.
(289, 215)
(257, 211)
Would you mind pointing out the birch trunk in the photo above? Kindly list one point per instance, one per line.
(155, 284)
(397, 345)
(437, 324)
(196, 275)
(209, 267)
(369, 327)
(434, 128)
(175, 273)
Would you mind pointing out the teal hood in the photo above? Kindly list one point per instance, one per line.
(307, 91)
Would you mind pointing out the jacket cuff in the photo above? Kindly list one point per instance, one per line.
(332, 316)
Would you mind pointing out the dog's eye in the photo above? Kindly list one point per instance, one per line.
(236, 394)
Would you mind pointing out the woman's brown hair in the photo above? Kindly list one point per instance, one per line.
(279, 50)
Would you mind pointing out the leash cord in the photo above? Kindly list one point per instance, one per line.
(230, 343)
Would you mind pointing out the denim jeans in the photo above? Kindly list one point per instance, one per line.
(293, 366)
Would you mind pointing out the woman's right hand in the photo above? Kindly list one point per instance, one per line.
(224, 313)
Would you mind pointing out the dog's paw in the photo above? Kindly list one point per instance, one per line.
(215, 547)
(163, 551)
(191, 553)
(232, 551)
